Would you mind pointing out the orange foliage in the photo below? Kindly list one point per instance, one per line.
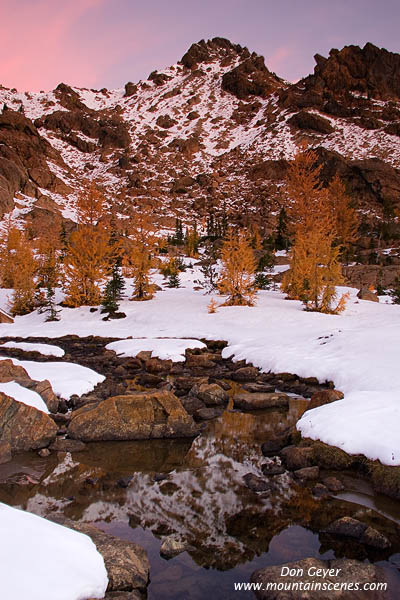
(139, 254)
(238, 267)
(90, 205)
(87, 264)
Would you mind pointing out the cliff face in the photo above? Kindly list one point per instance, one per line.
(216, 130)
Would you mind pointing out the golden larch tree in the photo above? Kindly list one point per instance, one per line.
(345, 216)
(315, 270)
(87, 264)
(236, 280)
(138, 259)
(24, 270)
(90, 205)
(10, 243)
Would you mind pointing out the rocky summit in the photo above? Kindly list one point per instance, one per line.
(214, 132)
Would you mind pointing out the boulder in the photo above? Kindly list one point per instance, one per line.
(24, 427)
(366, 294)
(165, 121)
(138, 416)
(310, 122)
(324, 397)
(310, 570)
(264, 388)
(375, 539)
(245, 374)
(210, 393)
(320, 490)
(297, 457)
(11, 372)
(307, 473)
(44, 389)
(126, 563)
(203, 361)
(257, 400)
(273, 446)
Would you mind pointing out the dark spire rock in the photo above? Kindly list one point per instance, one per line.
(371, 70)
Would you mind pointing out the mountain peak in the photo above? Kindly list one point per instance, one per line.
(216, 49)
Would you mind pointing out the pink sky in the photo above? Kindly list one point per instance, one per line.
(104, 43)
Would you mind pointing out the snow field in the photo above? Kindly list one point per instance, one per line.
(359, 350)
(41, 560)
(168, 348)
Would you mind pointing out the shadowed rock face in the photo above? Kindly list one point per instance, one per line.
(23, 160)
(140, 416)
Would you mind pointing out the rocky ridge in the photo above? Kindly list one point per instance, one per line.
(213, 132)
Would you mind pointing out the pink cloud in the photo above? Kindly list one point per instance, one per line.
(37, 48)
(278, 58)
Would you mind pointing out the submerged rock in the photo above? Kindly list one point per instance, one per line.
(307, 473)
(172, 546)
(140, 416)
(349, 527)
(333, 484)
(297, 457)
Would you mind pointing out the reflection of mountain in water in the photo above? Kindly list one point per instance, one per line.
(201, 499)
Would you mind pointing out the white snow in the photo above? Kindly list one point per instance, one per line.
(359, 350)
(164, 348)
(22, 394)
(45, 349)
(66, 378)
(41, 560)
(361, 421)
